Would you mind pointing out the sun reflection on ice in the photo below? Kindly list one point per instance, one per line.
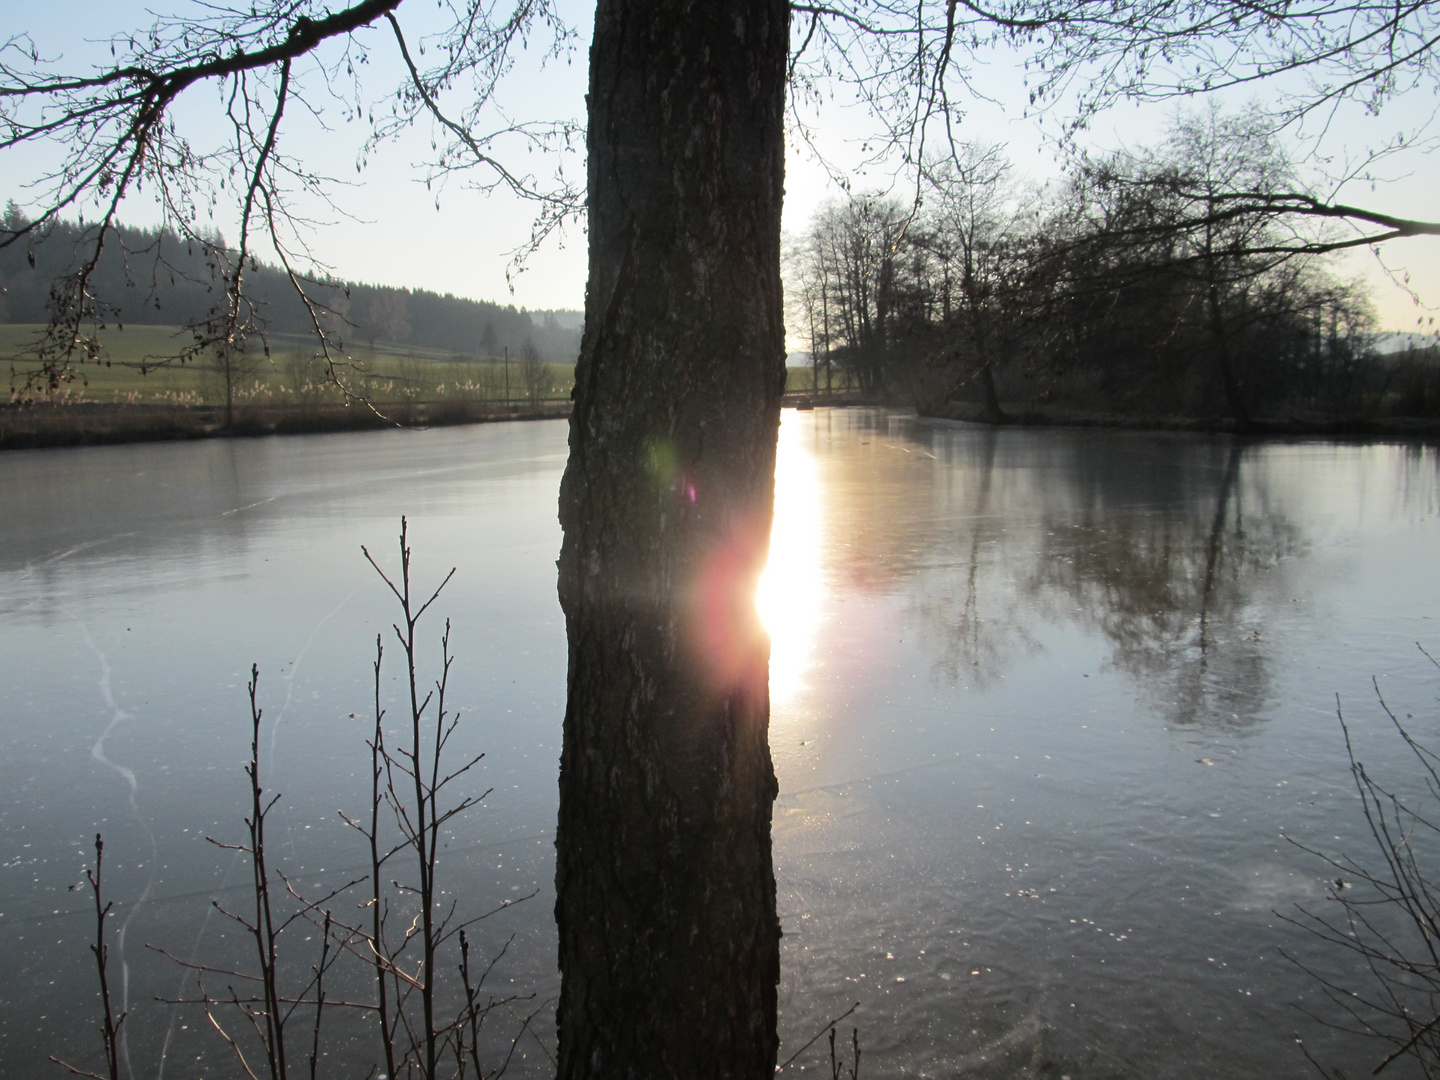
(790, 588)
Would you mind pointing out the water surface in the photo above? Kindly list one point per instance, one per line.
(1046, 706)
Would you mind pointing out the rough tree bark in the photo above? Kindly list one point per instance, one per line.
(669, 941)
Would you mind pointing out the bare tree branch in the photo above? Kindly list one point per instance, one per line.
(115, 134)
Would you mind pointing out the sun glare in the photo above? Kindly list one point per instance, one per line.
(790, 589)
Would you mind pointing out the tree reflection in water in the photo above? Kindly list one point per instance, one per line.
(1170, 585)
(1160, 544)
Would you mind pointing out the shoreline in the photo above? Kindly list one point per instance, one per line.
(1423, 429)
(40, 426)
(43, 426)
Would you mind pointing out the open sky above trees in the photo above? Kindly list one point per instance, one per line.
(392, 232)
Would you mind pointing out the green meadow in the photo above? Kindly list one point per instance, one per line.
(140, 366)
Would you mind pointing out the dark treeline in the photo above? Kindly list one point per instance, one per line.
(159, 278)
(1131, 287)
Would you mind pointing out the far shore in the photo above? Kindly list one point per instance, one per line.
(42, 425)
(1426, 429)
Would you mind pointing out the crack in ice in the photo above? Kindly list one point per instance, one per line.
(97, 751)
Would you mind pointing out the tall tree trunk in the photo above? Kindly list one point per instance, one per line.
(1220, 342)
(1219, 333)
(993, 412)
(669, 941)
(979, 340)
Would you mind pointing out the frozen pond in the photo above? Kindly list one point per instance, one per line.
(1046, 705)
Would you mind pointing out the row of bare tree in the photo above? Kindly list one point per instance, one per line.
(1174, 280)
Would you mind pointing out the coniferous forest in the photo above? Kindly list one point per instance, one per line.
(157, 278)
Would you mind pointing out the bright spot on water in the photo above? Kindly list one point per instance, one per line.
(790, 588)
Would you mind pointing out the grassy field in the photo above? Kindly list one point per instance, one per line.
(801, 380)
(139, 391)
(140, 370)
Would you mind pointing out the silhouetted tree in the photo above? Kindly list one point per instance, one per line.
(669, 940)
(978, 230)
(1176, 295)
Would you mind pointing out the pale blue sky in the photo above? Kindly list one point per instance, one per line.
(395, 235)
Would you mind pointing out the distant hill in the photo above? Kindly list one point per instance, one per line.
(157, 278)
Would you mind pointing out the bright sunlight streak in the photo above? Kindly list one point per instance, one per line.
(790, 588)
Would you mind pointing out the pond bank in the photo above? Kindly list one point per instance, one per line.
(1395, 427)
(41, 425)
